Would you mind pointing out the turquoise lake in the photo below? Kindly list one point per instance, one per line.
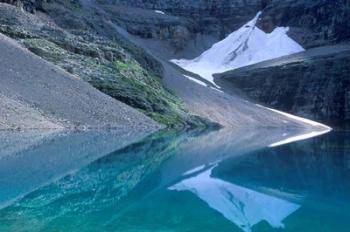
(172, 181)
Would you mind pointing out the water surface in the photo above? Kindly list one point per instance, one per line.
(176, 181)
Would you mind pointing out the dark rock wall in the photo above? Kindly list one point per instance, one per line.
(183, 19)
(215, 8)
(312, 23)
(27, 5)
(317, 88)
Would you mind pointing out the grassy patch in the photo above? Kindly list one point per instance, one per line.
(157, 104)
(15, 32)
(45, 49)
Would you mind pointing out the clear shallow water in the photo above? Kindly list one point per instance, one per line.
(171, 181)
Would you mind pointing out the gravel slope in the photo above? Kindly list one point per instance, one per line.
(36, 94)
(16, 114)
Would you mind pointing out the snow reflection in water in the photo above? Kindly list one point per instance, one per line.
(242, 206)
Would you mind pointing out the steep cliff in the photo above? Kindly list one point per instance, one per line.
(186, 27)
(195, 25)
(180, 22)
(314, 84)
(28, 5)
(312, 23)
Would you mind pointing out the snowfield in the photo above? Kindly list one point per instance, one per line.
(248, 45)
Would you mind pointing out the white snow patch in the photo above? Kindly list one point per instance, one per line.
(194, 170)
(300, 119)
(159, 12)
(242, 206)
(299, 138)
(322, 129)
(216, 89)
(196, 80)
(248, 45)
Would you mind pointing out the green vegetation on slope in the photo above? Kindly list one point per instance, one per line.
(110, 64)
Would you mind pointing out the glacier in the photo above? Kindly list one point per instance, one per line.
(245, 46)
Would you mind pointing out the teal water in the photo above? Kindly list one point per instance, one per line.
(175, 181)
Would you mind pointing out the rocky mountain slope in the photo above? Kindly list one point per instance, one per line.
(229, 110)
(63, 33)
(122, 48)
(35, 94)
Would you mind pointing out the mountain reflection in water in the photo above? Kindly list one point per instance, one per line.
(178, 181)
(242, 206)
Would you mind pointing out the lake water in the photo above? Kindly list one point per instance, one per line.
(214, 181)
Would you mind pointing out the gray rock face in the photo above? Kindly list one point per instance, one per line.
(183, 20)
(211, 8)
(314, 84)
(312, 23)
(28, 5)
